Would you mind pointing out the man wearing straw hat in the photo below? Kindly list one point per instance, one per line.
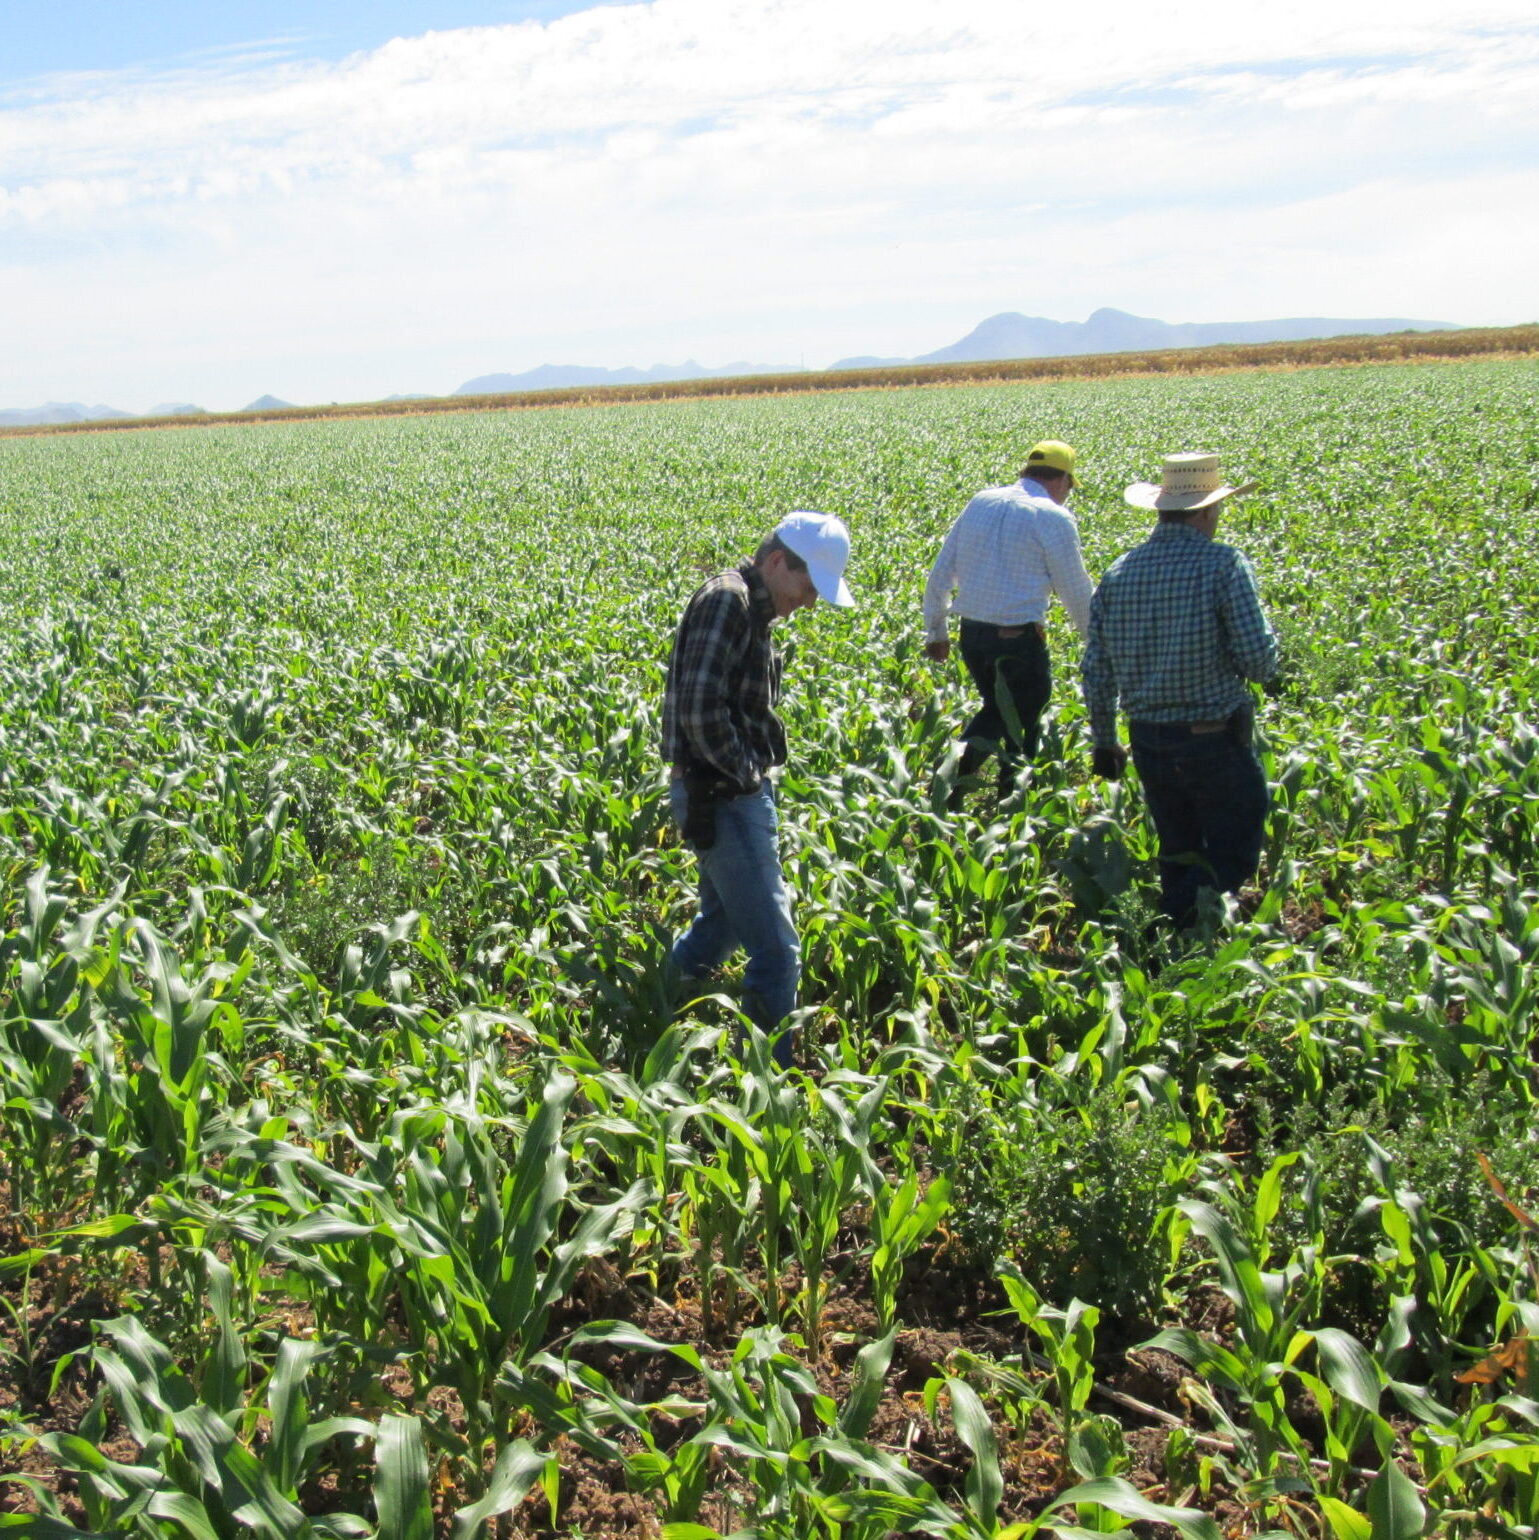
(1011, 549)
(1177, 632)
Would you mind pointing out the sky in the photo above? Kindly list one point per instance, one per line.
(208, 202)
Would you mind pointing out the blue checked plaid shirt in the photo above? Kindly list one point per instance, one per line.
(1176, 629)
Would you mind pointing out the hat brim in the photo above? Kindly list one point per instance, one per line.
(832, 590)
(1146, 494)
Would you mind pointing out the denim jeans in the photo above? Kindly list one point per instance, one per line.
(1208, 797)
(744, 903)
(1013, 668)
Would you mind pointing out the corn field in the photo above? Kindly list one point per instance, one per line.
(363, 1175)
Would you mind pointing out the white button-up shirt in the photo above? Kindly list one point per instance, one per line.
(1009, 552)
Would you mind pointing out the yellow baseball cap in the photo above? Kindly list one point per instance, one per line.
(1051, 454)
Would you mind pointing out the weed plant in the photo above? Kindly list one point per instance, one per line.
(1077, 1199)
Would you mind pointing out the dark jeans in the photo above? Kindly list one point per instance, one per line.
(1208, 796)
(1015, 679)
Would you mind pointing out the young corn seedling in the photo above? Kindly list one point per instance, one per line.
(901, 1221)
(1268, 1339)
(1068, 1338)
(491, 1268)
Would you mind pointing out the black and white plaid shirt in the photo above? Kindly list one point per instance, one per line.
(724, 680)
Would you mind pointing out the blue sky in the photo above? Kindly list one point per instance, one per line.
(120, 34)
(205, 203)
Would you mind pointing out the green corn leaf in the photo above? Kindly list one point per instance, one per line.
(518, 1467)
(623, 1334)
(287, 1443)
(222, 1384)
(1348, 1369)
(128, 1228)
(22, 1261)
(1269, 1191)
(1524, 1407)
(39, 1526)
(1129, 1503)
(1242, 1279)
(328, 1428)
(244, 1487)
(1520, 1457)
(866, 1389)
(595, 1232)
(401, 1485)
(189, 1513)
(872, 1464)
(985, 1484)
(1210, 1358)
(1394, 1505)
(1346, 1523)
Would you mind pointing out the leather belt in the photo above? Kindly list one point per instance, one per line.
(1215, 725)
(1007, 633)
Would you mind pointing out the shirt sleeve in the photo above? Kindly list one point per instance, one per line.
(1252, 644)
(938, 587)
(712, 642)
(1097, 678)
(1066, 569)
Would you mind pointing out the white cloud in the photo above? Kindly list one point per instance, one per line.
(755, 178)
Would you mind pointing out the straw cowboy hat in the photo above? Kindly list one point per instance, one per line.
(1187, 482)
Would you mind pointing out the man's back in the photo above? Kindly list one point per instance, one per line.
(1008, 552)
(1177, 625)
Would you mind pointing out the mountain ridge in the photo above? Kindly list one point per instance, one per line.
(1007, 335)
(1011, 334)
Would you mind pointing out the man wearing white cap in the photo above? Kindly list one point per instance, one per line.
(1177, 631)
(1011, 549)
(721, 736)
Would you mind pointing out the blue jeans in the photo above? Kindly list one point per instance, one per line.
(1208, 797)
(744, 903)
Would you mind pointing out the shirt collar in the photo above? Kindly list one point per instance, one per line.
(1035, 488)
(1176, 531)
(760, 600)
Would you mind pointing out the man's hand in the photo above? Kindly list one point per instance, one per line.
(700, 821)
(938, 652)
(1109, 760)
(702, 790)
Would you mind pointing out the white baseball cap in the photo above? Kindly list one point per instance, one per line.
(822, 541)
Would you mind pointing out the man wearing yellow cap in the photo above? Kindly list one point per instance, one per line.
(1011, 550)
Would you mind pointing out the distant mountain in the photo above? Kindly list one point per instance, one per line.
(56, 412)
(1012, 335)
(1008, 335)
(568, 376)
(868, 363)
